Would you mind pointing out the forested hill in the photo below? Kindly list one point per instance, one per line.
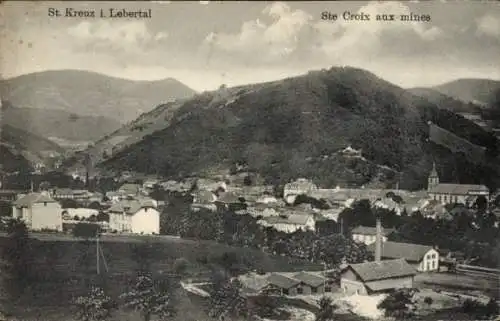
(294, 127)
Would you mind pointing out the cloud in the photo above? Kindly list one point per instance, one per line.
(489, 25)
(274, 40)
(106, 35)
(292, 33)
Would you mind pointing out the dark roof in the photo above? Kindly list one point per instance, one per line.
(367, 230)
(458, 189)
(408, 251)
(33, 198)
(281, 281)
(131, 207)
(228, 198)
(309, 279)
(371, 271)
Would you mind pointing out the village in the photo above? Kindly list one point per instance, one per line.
(136, 208)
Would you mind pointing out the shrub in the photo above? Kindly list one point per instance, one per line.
(428, 300)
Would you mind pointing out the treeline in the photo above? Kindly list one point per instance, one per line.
(227, 227)
(475, 233)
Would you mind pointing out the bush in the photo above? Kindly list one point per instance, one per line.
(86, 230)
(428, 300)
(181, 265)
(397, 304)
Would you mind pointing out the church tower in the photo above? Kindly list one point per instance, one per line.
(433, 179)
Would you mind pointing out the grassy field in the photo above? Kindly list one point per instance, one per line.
(65, 267)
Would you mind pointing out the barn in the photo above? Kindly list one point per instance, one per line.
(375, 277)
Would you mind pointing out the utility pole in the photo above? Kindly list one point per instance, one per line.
(98, 253)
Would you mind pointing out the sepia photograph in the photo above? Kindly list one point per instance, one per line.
(249, 160)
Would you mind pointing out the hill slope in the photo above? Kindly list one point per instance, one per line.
(286, 129)
(89, 93)
(131, 133)
(470, 90)
(58, 123)
(21, 149)
(444, 101)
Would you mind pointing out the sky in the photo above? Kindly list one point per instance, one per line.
(206, 44)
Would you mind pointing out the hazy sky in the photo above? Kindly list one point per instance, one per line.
(206, 44)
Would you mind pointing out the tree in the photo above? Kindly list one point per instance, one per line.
(428, 300)
(96, 306)
(397, 304)
(17, 256)
(326, 310)
(102, 217)
(150, 298)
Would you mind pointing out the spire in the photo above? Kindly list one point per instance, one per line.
(434, 171)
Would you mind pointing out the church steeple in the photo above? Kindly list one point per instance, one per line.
(433, 179)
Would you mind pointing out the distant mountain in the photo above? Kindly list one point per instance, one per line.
(297, 126)
(58, 123)
(479, 91)
(91, 94)
(444, 101)
(133, 132)
(22, 150)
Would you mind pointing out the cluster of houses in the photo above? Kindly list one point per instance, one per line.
(395, 266)
(127, 210)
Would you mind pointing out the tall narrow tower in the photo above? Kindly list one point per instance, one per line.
(433, 179)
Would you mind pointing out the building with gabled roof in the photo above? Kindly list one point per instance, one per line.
(377, 276)
(289, 223)
(138, 216)
(454, 193)
(423, 257)
(367, 234)
(39, 211)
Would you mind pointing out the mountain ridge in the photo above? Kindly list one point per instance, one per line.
(284, 128)
(90, 93)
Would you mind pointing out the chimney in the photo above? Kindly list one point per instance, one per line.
(378, 241)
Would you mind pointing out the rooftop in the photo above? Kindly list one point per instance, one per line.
(372, 271)
(408, 251)
(34, 198)
(458, 189)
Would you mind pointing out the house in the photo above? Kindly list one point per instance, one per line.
(78, 213)
(130, 189)
(310, 283)
(134, 216)
(228, 199)
(203, 197)
(367, 235)
(300, 186)
(39, 211)
(454, 193)
(376, 277)
(9, 195)
(68, 193)
(289, 223)
(280, 284)
(424, 258)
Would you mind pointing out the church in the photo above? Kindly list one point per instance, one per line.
(454, 193)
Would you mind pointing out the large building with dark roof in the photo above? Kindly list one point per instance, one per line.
(454, 193)
(376, 277)
(423, 258)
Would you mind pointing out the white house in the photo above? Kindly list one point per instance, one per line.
(134, 216)
(422, 257)
(367, 235)
(39, 211)
(300, 186)
(289, 223)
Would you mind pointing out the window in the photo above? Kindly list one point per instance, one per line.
(328, 289)
(314, 290)
(428, 266)
(285, 291)
(300, 290)
(44, 203)
(433, 256)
